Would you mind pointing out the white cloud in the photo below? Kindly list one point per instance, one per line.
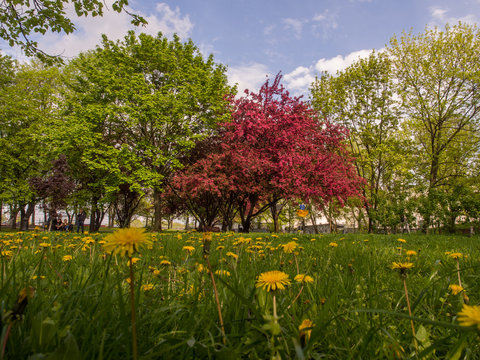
(438, 13)
(295, 25)
(339, 62)
(324, 23)
(249, 77)
(299, 80)
(115, 26)
(440, 17)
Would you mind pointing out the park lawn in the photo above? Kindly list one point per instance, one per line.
(352, 303)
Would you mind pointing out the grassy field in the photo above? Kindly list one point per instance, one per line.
(352, 304)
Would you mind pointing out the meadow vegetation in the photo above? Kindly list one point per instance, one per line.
(332, 296)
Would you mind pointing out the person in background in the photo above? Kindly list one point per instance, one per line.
(81, 216)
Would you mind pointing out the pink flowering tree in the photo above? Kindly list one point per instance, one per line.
(274, 147)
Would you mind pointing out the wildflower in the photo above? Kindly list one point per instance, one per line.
(134, 260)
(411, 253)
(402, 240)
(67, 258)
(455, 255)
(273, 280)
(165, 263)
(44, 245)
(289, 247)
(469, 316)
(305, 329)
(402, 266)
(189, 249)
(147, 287)
(125, 241)
(7, 253)
(222, 272)
(232, 255)
(302, 278)
(333, 244)
(455, 289)
(221, 247)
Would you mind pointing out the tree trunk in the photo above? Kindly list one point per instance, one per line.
(246, 224)
(93, 214)
(157, 207)
(13, 217)
(275, 212)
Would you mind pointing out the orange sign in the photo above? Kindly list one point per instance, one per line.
(302, 213)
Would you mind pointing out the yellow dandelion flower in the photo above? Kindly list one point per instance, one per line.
(402, 240)
(165, 263)
(455, 289)
(221, 247)
(67, 257)
(333, 244)
(222, 272)
(273, 280)
(125, 241)
(189, 249)
(147, 287)
(134, 260)
(232, 255)
(455, 255)
(305, 329)
(469, 316)
(401, 266)
(289, 247)
(44, 244)
(302, 278)
(411, 253)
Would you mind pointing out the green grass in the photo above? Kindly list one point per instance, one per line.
(357, 302)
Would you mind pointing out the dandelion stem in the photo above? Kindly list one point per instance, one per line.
(5, 339)
(132, 303)
(296, 297)
(274, 309)
(217, 300)
(296, 262)
(410, 313)
(458, 273)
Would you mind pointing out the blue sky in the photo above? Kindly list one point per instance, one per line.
(254, 38)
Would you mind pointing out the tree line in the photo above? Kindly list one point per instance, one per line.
(147, 125)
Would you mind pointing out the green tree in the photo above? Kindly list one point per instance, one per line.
(135, 108)
(362, 99)
(28, 104)
(438, 76)
(20, 19)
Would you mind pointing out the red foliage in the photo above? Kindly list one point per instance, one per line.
(275, 147)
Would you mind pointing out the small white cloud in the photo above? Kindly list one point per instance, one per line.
(268, 30)
(438, 13)
(339, 62)
(324, 23)
(440, 17)
(295, 25)
(249, 77)
(299, 80)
